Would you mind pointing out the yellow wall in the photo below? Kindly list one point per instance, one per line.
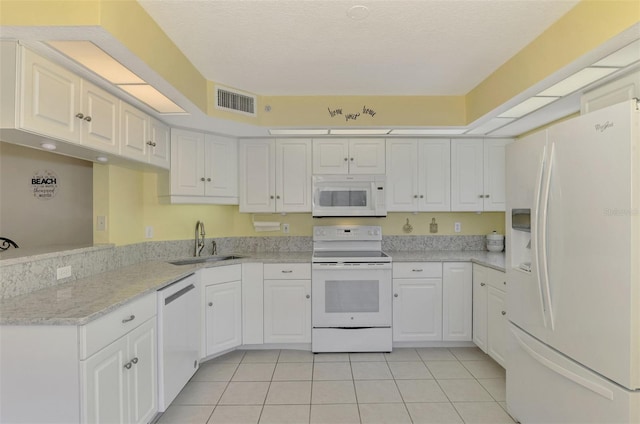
(129, 199)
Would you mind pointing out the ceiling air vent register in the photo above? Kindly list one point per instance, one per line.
(235, 101)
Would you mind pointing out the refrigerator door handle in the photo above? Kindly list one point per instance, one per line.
(543, 231)
(587, 384)
(536, 234)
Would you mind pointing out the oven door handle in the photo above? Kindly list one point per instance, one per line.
(350, 266)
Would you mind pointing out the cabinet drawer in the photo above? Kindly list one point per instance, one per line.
(417, 269)
(220, 274)
(107, 329)
(287, 271)
(497, 279)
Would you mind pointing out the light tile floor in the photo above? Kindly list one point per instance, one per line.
(426, 385)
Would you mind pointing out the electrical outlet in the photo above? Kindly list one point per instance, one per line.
(148, 232)
(285, 228)
(63, 272)
(457, 227)
(101, 223)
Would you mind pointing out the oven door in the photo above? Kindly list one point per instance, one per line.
(351, 295)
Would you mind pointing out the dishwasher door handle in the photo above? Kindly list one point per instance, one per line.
(178, 294)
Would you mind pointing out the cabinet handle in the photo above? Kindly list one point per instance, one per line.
(422, 196)
(79, 115)
(482, 284)
(271, 197)
(504, 283)
(351, 159)
(287, 271)
(481, 196)
(308, 296)
(209, 180)
(504, 312)
(395, 295)
(151, 143)
(346, 159)
(486, 196)
(130, 318)
(415, 196)
(202, 179)
(128, 365)
(210, 303)
(417, 270)
(135, 360)
(87, 118)
(277, 197)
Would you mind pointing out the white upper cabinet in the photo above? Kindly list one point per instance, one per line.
(49, 99)
(275, 175)
(134, 132)
(159, 144)
(418, 175)
(349, 156)
(203, 168)
(101, 122)
(478, 174)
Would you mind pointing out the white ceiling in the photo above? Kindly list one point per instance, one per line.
(313, 47)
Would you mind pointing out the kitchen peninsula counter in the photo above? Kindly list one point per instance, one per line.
(86, 299)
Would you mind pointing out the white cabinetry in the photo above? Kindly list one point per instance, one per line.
(134, 132)
(252, 303)
(159, 144)
(489, 312)
(222, 297)
(287, 303)
(275, 175)
(349, 156)
(120, 380)
(417, 301)
(203, 168)
(457, 301)
(101, 121)
(478, 174)
(418, 175)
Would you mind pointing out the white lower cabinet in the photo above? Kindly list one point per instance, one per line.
(489, 312)
(457, 301)
(417, 302)
(120, 380)
(287, 303)
(222, 303)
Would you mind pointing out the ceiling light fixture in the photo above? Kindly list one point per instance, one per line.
(363, 131)
(298, 132)
(490, 125)
(428, 131)
(577, 81)
(623, 57)
(102, 159)
(48, 146)
(527, 107)
(152, 98)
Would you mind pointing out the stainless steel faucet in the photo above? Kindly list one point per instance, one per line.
(199, 238)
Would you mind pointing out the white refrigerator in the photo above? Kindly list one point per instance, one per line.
(573, 270)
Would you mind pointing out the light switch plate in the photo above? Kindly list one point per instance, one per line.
(148, 232)
(101, 223)
(63, 272)
(285, 228)
(457, 227)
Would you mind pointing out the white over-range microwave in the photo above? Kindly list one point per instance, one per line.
(349, 195)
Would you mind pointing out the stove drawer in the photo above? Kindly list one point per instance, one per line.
(417, 270)
(301, 271)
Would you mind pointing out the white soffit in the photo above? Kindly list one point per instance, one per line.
(399, 47)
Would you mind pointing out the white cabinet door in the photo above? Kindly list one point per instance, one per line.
(100, 126)
(480, 290)
(497, 325)
(105, 385)
(142, 376)
(223, 316)
(467, 186)
(293, 175)
(417, 309)
(252, 303)
(287, 311)
(457, 301)
(331, 156)
(50, 99)
(134, 132)
(160, 144)
(257, 176)
(187, 164)
(402, 175)
(366, 156)
(221, 166)
(494, 175)
(434, 175)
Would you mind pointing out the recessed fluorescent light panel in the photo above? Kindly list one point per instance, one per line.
(152, 97)
(577, 81)
(491, 125)
(527, 106)
(623, 57)
(372, 131)
(298, 132)
(429, 131)
(97, 60)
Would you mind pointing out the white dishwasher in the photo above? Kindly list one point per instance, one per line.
(178, 338)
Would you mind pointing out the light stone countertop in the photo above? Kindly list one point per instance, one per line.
(81, 301)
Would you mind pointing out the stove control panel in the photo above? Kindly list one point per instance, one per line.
(347, 232)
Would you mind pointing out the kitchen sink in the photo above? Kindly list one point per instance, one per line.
(205, 259)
